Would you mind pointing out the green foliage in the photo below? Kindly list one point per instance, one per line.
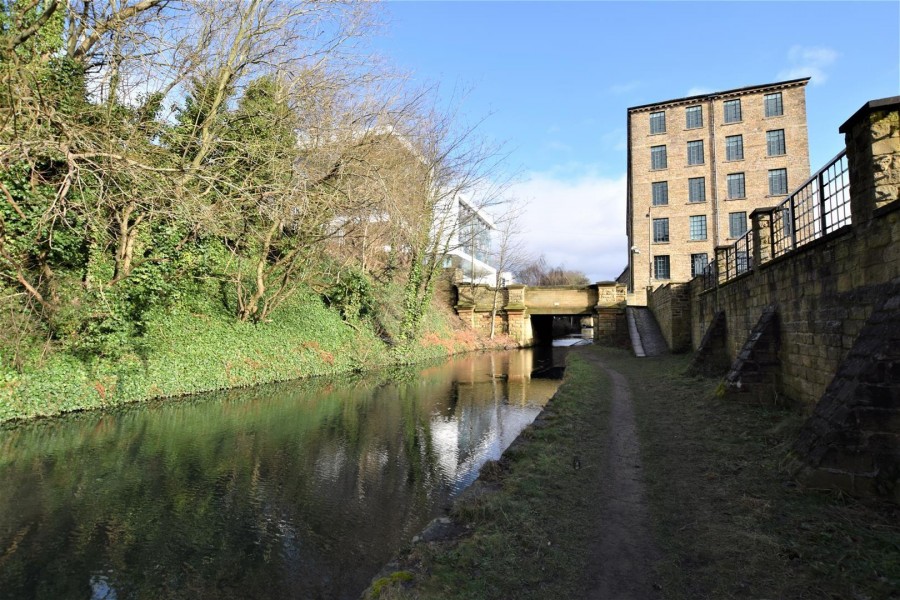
(190, 343)
(353, 295)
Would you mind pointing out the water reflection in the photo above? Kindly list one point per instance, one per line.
(287, 491)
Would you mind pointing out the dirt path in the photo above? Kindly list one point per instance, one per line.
(625, 551)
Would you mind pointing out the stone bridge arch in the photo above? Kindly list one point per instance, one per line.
(603, 303)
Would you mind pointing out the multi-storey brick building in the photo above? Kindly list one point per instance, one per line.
(697, 168)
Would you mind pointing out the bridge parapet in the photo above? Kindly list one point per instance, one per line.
(514, 305)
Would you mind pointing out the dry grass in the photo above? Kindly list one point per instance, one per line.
(730, 518)
(730, 521)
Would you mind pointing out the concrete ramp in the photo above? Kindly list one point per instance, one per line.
(646, 337)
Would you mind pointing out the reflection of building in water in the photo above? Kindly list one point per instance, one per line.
(494, 399)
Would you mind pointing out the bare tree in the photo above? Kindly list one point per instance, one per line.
(509, 255)
(538, 272)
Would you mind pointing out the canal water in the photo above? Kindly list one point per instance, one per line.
(295, 490)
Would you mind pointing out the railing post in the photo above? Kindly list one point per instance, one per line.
(722, 264)
(822, 197)
(793, 204)
(872, 137)
(761, 226)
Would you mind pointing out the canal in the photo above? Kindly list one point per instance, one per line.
(295, 490)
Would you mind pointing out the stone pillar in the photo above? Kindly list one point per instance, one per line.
(610, 328)
(515, 295)
(721, 264)
(872, 136)
(761, 225)
(467, 314)
(517, 326)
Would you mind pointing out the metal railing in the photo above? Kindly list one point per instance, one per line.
(737, 259)
(709, 275)
(818, 207)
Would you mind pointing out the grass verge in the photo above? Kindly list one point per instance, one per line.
(728, 518)
(199, 347)
(531, 516)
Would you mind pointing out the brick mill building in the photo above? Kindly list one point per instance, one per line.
(697, 168)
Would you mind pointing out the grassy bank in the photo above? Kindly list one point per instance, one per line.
(729, 521)
(197, 346)
(530, 517)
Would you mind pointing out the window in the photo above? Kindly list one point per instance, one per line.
(695, 152)
(732, 111)
(698, 263)
(774, 108)
(661, 267)
(657, 157)
(698, 227)
(694, 117)
(697, 189)
(660, 230)
(736, 187)
(737, 224)
(658, 122)
(778, 182)
(734, 147)
(775, 142)
(660, 193)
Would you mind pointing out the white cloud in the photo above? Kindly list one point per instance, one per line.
(809, 61)
(577, 221)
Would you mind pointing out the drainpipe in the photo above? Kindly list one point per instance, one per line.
(713, 171)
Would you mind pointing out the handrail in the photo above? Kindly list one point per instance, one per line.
(818, 207)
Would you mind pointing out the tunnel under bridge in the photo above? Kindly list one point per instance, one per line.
(526, 313)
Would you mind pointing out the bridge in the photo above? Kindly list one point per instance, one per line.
(526, 313)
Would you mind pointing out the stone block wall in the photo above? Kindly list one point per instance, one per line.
(827, 317)
(671, 305)
(516, 304)
(825, 291)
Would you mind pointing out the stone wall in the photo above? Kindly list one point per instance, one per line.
(826, 319)
(824, 291)
(671, 305)
(601, 302)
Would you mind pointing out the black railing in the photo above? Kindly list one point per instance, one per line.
(736, 259)
(818, 207)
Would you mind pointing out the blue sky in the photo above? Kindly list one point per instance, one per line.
(555, 80)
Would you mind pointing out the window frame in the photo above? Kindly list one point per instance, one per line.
(742, 177)
(655, 151)
(783, 177)
(661, 231)
(778, 142)
(700, 230)
(658, 261)
(691, 146)
(702, 188)
(664, 193)
(694, 260)
(732, 219)
(656, 117)
(730, 115)
(778, 104)
(734, 147)
(691, 111)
